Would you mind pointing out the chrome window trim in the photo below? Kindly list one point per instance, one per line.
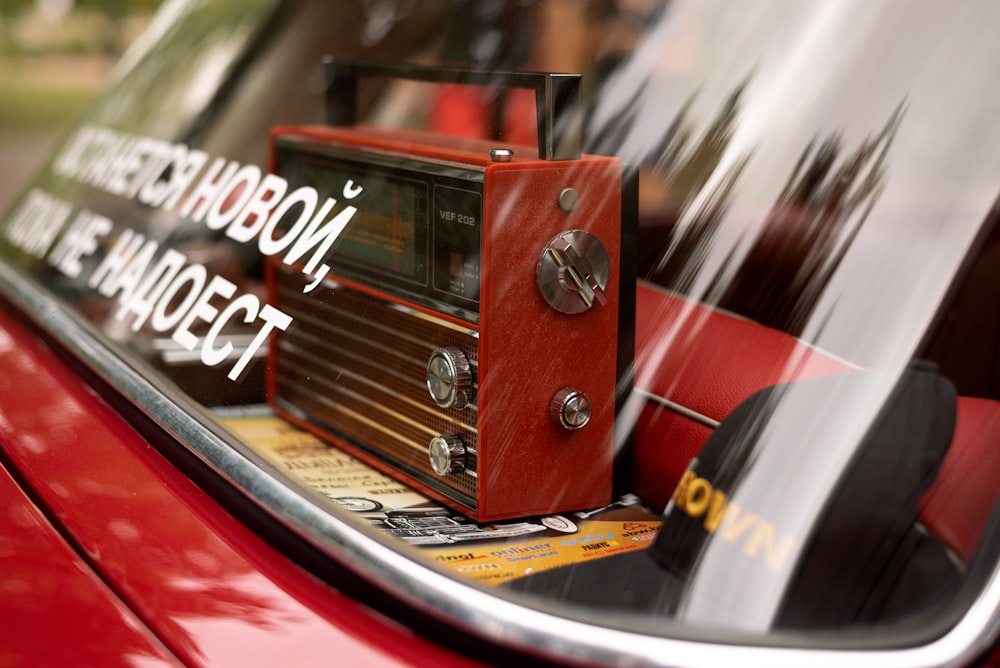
(465, 606)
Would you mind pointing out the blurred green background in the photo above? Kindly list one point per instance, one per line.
(55, 57)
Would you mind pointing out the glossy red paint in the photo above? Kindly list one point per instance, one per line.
(210, 589)
(53, 609)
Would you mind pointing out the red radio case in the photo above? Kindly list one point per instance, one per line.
(463, 368)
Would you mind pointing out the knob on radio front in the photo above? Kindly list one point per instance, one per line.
(571, 409)
(449, 378)
(447, 454)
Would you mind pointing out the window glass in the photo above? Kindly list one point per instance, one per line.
(731, 368)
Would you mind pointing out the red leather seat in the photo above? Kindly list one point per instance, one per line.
(957, 506)
(707, 362)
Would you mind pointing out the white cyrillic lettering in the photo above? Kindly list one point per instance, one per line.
(80, 239)
(194, 274)
(67, 163)
(37, 222)
(114, 261)
(202, 308)
(153, 156)
(123, 162)
(165, 185)
(305, 197)
(351, 190)
(322, 239)
(183, 176)
(106, 144)
(233, 197)
(205, 193)
(272, 318)
(95, 144)
(251, 219)
(127, 280)
(211, 355)
(144, 297)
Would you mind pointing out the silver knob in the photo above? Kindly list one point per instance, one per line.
(571, 409)
(449, 378)
(572, 272)
(447, 454)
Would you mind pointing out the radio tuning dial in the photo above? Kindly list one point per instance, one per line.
(449, 378)
(572, 272)
(447, 454)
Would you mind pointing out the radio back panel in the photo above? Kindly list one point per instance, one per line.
(474, 337)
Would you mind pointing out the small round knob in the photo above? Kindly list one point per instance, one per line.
(447, 454)
(571, 409)
(449, 378)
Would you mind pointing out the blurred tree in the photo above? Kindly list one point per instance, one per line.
(115, 12)
(10, 10)
(112, 7)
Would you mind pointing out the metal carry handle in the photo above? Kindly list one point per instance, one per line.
(557, 97)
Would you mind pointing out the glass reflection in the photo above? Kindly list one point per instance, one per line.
(813, 178)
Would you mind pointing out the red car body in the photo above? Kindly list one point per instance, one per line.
(112, 556)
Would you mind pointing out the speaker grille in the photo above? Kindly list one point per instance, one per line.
(355, 366)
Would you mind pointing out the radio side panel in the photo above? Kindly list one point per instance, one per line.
(529, 351)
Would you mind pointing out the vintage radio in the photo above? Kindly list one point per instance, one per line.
(475, 334)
